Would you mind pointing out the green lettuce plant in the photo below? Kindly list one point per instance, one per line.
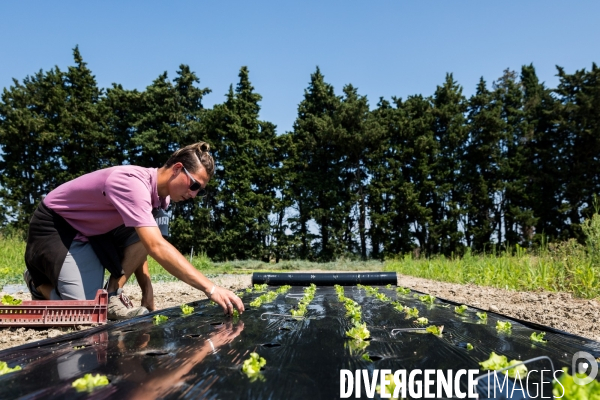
(504, 326)
(186, 310)
(5, 369)
(496, 362)
(90, 382)
(252, 366)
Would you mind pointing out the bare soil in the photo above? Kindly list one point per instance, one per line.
(558, 310)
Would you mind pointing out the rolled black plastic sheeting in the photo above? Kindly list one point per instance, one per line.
(325, 279)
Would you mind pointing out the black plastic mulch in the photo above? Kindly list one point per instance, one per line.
(176, 360)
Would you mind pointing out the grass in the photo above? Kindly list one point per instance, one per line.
(12, 263)
(564, 267)
(567, 267)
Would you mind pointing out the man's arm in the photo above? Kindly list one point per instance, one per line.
(177, 265)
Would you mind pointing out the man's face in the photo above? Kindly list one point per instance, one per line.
(179, 188)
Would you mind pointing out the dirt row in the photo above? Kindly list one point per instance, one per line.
(558, 310)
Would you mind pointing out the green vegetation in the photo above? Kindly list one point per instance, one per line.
(8, 300)
(309, 294)
(496, 362)
(159, 319)
(12, 262)
(435, 330)
(538, 337)
(434, 174)
(89, 382)
(566, 266)
(5, 369)
(460, 309)
(482, 316)
(252, 367)
(186, 310)
(359, 332)
(565, 388)
(504, 326)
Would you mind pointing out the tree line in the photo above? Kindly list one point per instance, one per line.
(515, 163)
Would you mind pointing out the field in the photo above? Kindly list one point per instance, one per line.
(556, 286)
(565, 267)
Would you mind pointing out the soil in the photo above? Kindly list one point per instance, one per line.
(557, 310)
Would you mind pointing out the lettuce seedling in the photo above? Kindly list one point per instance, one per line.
(538, 337)
(371, 291)
(436, 330)
(8, 300)
(388, 286)
(388, 389)
(283, 289)
(411, 312)
(159, 319)
(260, 288)
(504, 326)
(353, 312)
(257, 302)
(366, 357)
(482, 316)
(460, 309)
(357, 346)
(382, 297)
(496, 362)
(252, 366)
(403, 290)
(264, 298)
(422, 321)
(186, 310)
(427, 298)
(469, 346)
(89, 382)
(398, 306)
(359, 332)
(5, 369)
(566, 388)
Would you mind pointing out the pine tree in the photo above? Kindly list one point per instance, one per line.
(451, 135)
(480, 169)
(31, 115)
(245, 193)
(579, 132)
(317, 148)
(85, 145)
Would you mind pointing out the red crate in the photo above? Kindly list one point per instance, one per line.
(56, 312)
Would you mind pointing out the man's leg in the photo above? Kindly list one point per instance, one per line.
(81, 274)
(133, 259)
(119, 305)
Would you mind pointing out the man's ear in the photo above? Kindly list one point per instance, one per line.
(176, 168)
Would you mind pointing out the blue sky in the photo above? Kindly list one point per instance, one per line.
(385, 48)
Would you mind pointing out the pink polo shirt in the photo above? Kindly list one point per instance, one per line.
(100, 201)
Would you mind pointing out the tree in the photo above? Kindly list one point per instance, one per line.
(480, 168)
(316, 163)
(450, 133)
(245, 193)
(30, 121)
(579, 133)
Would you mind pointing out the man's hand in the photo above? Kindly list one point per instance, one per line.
(226, 299)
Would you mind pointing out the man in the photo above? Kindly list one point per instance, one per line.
(104, 219)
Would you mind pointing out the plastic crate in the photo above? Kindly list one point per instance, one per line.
(56, 312)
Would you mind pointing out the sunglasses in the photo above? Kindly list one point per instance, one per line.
(195, 185)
